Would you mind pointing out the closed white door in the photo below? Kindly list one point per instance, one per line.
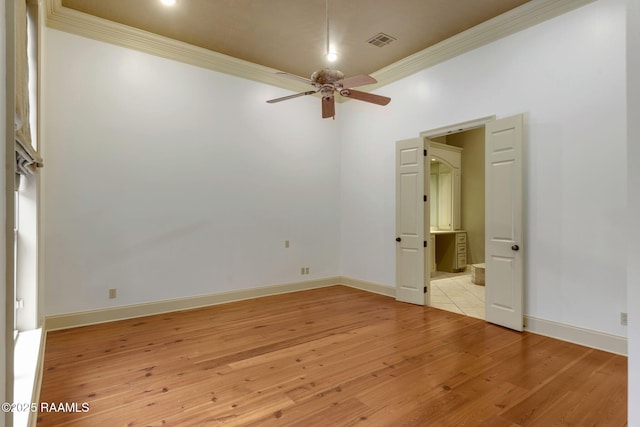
(504, 256)
(410, 221)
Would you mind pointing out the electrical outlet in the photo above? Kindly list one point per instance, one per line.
(301, 270)
(286, 243)
(623, 318)
(306, 270)
(112, 293)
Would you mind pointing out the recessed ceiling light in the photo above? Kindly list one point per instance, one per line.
(332, 56)
(168, 2)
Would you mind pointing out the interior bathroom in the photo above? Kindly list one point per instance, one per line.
(457, 222)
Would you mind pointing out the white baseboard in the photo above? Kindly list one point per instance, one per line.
(72, 320)
(363, 285)
(586, 337)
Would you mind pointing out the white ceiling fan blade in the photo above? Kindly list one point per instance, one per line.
(355, 81)
(364, 96)
(294, 77)
(328, 107)
(284, 98)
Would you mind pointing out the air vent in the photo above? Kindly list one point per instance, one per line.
(381, 39)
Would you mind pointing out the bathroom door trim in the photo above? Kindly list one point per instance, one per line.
(433, 133)
(459, 127)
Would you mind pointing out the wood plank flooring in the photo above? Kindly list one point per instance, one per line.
(334, 356)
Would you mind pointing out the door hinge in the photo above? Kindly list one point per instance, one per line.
(425, 198)
(425, 289)
(424, 243)
(425, 153)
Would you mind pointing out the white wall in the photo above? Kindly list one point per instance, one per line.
(568, 76)
(633, 147)
(165, 180)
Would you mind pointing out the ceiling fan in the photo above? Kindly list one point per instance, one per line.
(328, 81)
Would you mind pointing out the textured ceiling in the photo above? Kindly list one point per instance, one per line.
(289, 35)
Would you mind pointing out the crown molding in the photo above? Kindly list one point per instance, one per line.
(520, 18)
(82, 24)
(511, 22)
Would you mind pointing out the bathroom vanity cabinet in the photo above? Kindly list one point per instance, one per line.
(448, 250)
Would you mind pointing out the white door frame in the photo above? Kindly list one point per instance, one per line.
(456, 128)
(442, 131)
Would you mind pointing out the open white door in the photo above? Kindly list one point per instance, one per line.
(503, 246)
(410, 238)
(426, 203)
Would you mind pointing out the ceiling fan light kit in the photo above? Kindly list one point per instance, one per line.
(328, 81)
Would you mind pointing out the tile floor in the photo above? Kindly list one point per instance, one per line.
(455, 292)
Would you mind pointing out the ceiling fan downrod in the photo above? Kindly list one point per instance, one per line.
(329, 56)
(327, 82)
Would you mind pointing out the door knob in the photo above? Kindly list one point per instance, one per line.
(515, 247)
(398, 239)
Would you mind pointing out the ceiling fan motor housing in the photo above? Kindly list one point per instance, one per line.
(326, 76)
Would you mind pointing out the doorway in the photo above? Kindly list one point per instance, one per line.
(504, 228)
(459, 290)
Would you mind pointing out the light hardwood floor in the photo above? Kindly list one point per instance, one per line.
(326, 357)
